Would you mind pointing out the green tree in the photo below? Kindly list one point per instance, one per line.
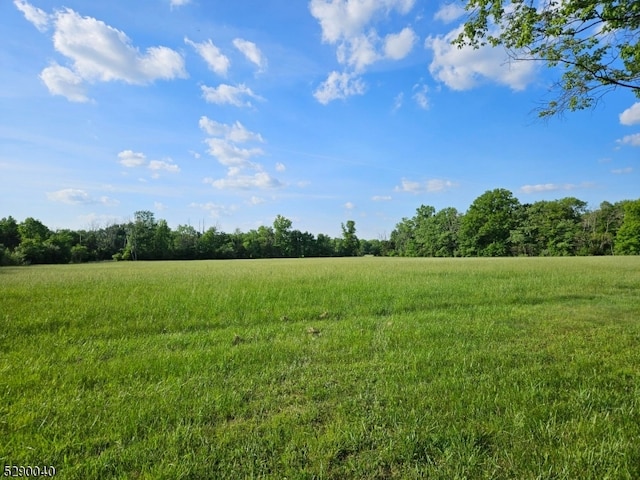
(282, 228)
(9, 234)
(601, 226)
(594, 42)
(350, 243)
(33, 229)
(628, 236)
(485, 229)
(140, 236)
(185, 242)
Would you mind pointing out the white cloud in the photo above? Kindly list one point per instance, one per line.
(159, 206)
(449, 12)
(339, 85)
(215, 210)
(179, 3)
(348, 25)
(633, 140)
(463, 68)
(101, 53)
(381, 198)
(38, 17)
(230, 155)
(237, 181)
(349, 206)
(631, 115)
(420, 96)
(251, 51)
(129, 158)
(622, 171)
(408, 186)
(211, 54)
(398, 45)
(223, 146)
(280, 167)
(430, 186)
(552, 187)
(236, 133)
(62, 81)
(229, 94)
(74, 196)
(436, 185)
(157, 165)
(71, 196)
(397, 101)
(256, 200)
(340, 19)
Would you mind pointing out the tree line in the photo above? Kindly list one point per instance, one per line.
(496, 224)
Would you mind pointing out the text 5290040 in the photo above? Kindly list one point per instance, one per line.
(29, 471)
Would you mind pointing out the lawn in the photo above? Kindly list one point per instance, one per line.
(323, 368)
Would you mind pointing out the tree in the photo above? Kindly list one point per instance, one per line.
(9, 234)
(486, 227)
(628, 236)
(594, 42)
(140, 236)
(282, 227)
(350, 242)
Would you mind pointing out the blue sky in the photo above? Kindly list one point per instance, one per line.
(229, 113)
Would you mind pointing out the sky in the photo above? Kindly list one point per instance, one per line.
(226, 114)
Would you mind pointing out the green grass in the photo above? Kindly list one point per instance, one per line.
(323, 368)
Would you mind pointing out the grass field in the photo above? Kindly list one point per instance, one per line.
(323, 368)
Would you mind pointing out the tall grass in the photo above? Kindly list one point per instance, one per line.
(323, 368)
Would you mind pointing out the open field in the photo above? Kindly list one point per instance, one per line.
(323, 368)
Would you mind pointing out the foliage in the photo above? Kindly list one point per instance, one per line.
(323, 368)
(486, 227)
(628, 236)
(594, 42)
(496, 224)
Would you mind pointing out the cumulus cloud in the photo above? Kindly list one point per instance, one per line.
(131, 159)
(348, 24)
(339, 86)
(430, 186)
(167, 166)
(179, 3)
(633, 140)
(235, 132)
(251, 52)
(74, 196)
(216, 210)
(38, 17)
(211, 54)
(464, 68)
(631, 115)
(449, 12)
(98, 52)
(229, 95)
(245, 182)
(420, 96)
(65, 82)
(552, 187)
(349, 206)
(398, 45)
(342, 19)
(280, 167)
(224, 144)
(381, 198)
(622, 171)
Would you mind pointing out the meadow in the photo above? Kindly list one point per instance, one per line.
(367, 368)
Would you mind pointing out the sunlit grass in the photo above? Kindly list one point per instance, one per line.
(323, 368)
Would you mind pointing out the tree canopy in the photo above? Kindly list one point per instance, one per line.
(594, 42)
